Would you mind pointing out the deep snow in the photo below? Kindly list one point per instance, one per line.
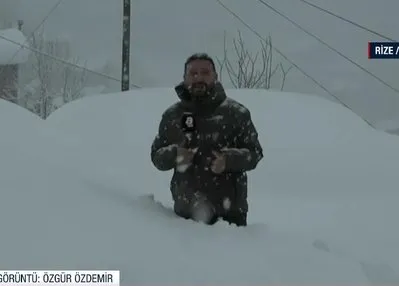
(322, 202)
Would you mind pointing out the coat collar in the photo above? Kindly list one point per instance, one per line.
(217, 96)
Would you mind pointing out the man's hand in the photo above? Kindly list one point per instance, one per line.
(219, 164)
(184, 158)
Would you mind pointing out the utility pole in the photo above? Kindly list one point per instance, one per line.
(20, 24)
(126, 46)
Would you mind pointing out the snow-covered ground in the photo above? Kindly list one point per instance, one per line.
(323, 202)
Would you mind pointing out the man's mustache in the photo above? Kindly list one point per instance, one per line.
(199, 86)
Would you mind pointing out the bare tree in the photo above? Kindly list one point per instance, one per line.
(9, 83)
(8, 74)
(51, 83)
(248, 70)
(73, 81)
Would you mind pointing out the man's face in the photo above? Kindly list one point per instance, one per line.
(199, 77)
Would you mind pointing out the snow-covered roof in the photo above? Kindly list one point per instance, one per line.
(10, 51)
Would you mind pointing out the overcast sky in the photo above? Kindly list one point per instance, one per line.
(164, 33)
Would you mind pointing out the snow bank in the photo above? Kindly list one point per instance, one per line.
(11, 51)
(75, 200)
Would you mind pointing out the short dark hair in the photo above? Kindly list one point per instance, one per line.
(199, 56)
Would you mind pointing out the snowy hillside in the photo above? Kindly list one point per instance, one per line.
(323, 203)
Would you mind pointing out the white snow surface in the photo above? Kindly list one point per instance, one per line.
(11, 51)
(323, 202)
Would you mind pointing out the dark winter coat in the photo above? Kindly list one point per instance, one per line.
(221, 124)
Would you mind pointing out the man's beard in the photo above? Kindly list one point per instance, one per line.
(199, 90)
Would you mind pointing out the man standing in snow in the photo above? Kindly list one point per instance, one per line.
(211, 142)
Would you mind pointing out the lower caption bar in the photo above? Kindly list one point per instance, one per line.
(383, 50)
(59, 277)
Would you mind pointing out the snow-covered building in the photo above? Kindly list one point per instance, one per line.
(12, 55)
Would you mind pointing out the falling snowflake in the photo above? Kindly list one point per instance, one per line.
(181, 168)
(226, 204)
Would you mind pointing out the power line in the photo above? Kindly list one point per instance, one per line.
(329, 46)
(64, 61)
(348, 21)
(277, 50)
(41, 23)
(290, 61)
